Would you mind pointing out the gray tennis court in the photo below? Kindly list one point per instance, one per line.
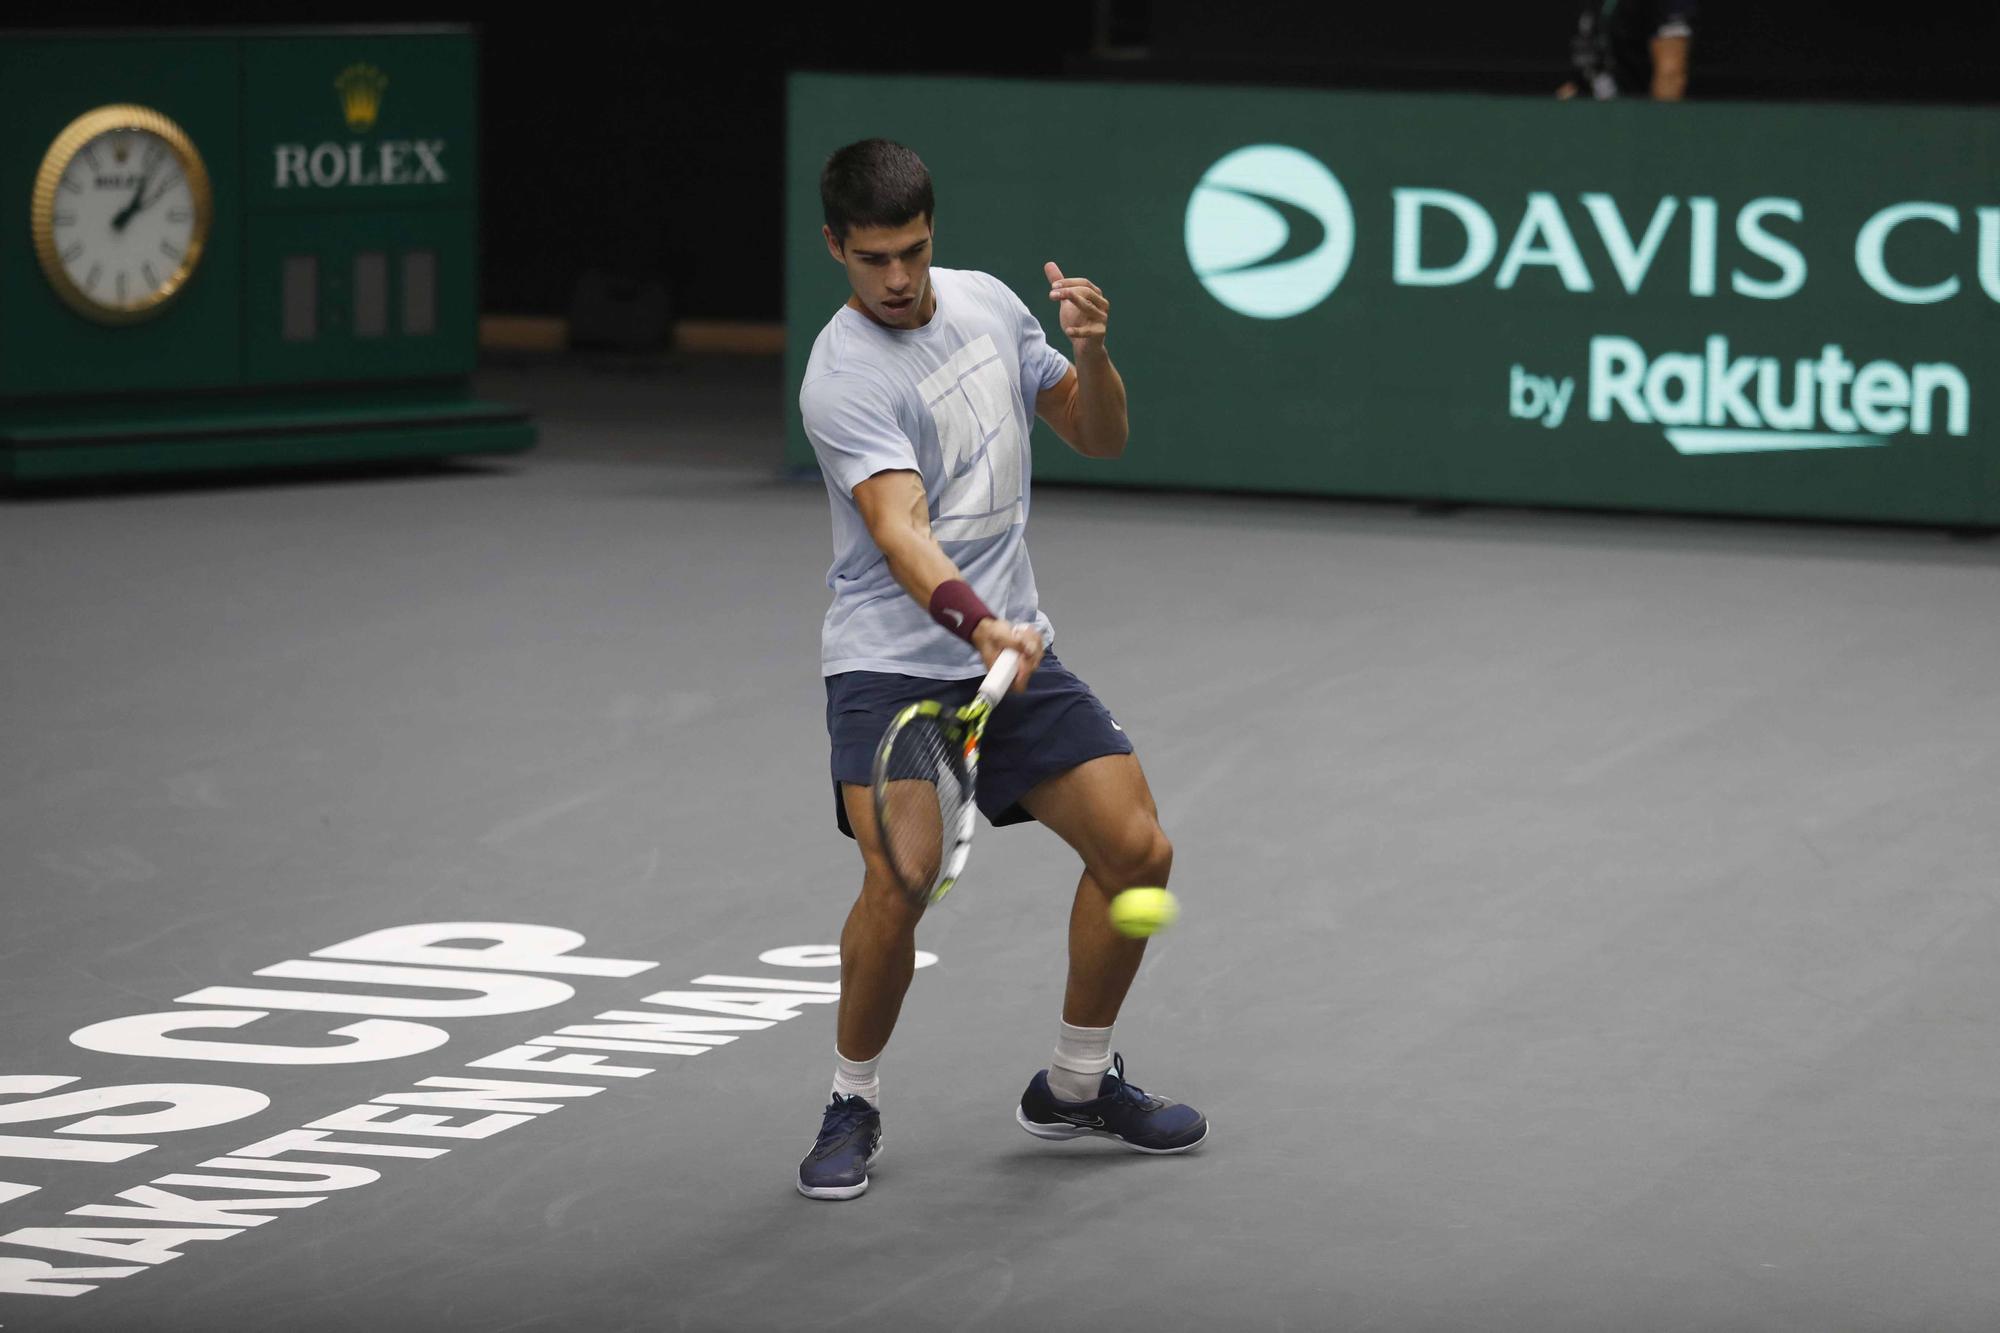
(1590, 919)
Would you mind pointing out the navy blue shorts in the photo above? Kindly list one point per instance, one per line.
(1056, 725)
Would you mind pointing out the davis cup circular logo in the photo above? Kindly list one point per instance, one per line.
(1269, 231)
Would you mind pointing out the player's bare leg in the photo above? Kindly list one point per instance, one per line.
(1102, 962)
(1104, 810)
(878, 945)
(878, 956)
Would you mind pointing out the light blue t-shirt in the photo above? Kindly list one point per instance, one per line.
(954, 402)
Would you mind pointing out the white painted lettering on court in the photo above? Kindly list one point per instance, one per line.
(152, 1035)
(249, 1173)
(173, 1107)
(259, 1182)
(817, 955)
(509, 947)
(494, 992)
(149, 1203)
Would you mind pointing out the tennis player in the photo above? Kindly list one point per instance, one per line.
(917, 400)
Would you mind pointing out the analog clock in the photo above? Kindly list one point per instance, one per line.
(121, 213)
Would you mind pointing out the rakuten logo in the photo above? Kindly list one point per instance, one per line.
(1715, 402)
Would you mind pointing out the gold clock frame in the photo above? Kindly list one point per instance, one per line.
(42, 208)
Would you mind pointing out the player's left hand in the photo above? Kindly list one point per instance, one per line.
(1085, 310)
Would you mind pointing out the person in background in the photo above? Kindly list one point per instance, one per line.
(1631, 48)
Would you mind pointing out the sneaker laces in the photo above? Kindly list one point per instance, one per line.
(1127, 1092)
(844, 1115)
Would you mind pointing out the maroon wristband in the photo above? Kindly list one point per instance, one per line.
(957, 607)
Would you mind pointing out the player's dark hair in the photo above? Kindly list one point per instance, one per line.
(874, 183)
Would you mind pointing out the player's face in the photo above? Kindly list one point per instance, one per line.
(889, 269)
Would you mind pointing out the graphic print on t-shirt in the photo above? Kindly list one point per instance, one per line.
(971, 400)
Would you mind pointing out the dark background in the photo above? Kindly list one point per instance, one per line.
(651, 144)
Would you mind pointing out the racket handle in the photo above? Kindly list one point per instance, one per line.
(1001, 678)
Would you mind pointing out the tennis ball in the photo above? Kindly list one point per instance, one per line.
(1143, 912)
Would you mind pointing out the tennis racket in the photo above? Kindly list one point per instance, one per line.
(925, 771)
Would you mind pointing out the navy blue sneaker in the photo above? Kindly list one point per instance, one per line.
(1121, 1111)
(850, 1141)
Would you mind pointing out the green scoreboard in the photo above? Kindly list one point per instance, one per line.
(240, 249)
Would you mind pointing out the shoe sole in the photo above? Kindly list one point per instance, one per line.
(1058, 1133)
(842, 1191)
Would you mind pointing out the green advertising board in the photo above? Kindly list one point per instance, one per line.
(1753, 309)
(240, 249)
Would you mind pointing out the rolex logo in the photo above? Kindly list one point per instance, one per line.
(361, 88)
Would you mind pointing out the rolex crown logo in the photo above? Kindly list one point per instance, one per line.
(361, 88)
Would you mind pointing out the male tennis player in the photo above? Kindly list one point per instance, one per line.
(917, 401)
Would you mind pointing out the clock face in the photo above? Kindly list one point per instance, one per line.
(121, 213)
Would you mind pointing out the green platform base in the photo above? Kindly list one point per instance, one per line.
(315, 430)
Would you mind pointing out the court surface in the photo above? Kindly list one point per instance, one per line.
(1590, 920)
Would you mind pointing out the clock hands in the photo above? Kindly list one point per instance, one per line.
(125, 214)
(167, 182)
(141, 201)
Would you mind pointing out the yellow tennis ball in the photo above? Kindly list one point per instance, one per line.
(1143, 912)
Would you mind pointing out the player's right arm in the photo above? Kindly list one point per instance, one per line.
(897, 513)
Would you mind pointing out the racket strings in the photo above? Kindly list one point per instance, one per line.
(923, 799)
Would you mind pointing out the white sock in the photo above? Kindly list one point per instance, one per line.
(857, 1078)
(1077, 1069)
